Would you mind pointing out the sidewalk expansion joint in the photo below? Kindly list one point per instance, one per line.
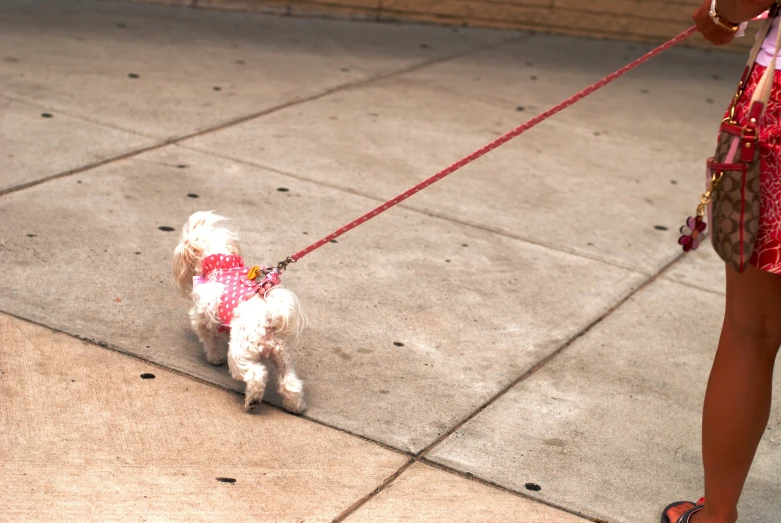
(421, 456)
(259, 114)
(694, 286)
(472, 477)
(185, 374)
(42, 105)
(352, 509)
(346, 513)
(584, 331)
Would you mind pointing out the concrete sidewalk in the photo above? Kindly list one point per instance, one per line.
(521, 342)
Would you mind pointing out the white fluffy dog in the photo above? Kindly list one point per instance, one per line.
(263, 319)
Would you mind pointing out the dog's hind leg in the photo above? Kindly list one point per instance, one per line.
(204, 321)
(214, 346)
(244, 364)
(291, 388)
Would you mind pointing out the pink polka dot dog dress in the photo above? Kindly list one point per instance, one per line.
(229, 270)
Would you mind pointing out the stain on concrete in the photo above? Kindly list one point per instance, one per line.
(226, 480)
(555, 442)
(342, 353)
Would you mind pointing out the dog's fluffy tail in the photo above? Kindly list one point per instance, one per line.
(285, 314)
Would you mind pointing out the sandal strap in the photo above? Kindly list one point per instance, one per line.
(686, 516)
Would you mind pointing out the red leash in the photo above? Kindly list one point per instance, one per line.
(488, 148)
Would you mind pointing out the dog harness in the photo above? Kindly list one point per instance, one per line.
(239, 282)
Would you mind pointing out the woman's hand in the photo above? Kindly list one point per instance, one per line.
(713, 33)
(734, 11)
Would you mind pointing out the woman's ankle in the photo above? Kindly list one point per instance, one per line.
(710, 516)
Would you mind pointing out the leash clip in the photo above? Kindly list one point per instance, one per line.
(280, 268)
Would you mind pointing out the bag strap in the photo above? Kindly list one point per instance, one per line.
(752, 58)
(762, 34)
(765, 85)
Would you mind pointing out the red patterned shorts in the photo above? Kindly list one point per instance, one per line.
(767, 250)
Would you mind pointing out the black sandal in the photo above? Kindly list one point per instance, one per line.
(686, 515)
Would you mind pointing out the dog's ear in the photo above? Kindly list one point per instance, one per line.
(199, 235)
(190, 249)
(185, 259)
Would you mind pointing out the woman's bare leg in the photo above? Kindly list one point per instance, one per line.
(737, 400)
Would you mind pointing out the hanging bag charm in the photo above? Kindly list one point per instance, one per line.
(733, 195)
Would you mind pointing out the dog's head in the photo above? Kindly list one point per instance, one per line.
(200, 235)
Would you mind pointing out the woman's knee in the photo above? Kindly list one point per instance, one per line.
(753, 308)
(761, 329)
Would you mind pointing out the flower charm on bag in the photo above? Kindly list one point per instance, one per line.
(691, 233)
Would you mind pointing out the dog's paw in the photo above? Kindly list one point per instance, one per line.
(216, 360)
(251, 405)
(252, 400)
(295, 404)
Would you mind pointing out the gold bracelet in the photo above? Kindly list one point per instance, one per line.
(720, 21)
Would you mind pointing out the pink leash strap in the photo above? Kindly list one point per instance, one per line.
(493, 145)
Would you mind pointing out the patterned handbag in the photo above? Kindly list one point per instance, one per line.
(732, 198)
